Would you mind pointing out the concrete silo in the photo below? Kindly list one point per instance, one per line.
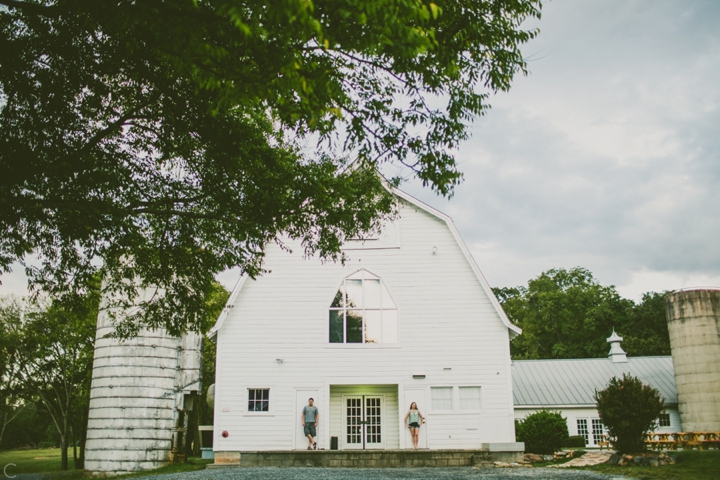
(141, 389)
(693, 317)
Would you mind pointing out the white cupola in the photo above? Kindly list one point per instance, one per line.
(617, 354)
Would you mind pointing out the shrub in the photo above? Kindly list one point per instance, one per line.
(575, 441)
(543, 432)
(629, 410)
(46, 445)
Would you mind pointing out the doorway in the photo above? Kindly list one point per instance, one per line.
(363, 422)
(301, 399)
(419, 396)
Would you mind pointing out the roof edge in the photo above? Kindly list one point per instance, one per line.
(514, 329)
(212, 333)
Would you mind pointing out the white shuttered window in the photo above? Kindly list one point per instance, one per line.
(470, 398)
(441, 398)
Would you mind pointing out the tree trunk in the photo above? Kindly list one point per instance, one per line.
(64, 443)
(74, 445)
(83, 436)
(63, 451)
(3, 424)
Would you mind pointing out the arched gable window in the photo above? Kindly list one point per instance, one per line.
(363, 311)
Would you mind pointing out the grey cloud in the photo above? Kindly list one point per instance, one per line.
(607, 155)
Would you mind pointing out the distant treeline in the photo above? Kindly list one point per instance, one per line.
(46, 357)
(569, 314)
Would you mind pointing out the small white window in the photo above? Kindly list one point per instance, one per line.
(258, 399)
(470, 398)
(441, 398)
(664, 420)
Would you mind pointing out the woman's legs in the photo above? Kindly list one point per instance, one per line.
(414, 433)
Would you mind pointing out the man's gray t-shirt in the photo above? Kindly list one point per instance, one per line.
(310, 414)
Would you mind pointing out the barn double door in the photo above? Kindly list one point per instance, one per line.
(363, 422)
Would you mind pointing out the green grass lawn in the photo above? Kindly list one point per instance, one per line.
(691, 465)
(32, 461)
(47, 461)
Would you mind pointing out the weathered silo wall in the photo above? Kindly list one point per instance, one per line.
(136, 396)
(694, 324)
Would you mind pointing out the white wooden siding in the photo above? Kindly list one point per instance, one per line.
(446, 320)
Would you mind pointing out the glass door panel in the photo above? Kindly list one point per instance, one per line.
(353, 422)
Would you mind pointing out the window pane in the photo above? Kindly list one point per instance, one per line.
(373, 326)
(582, 428)
(390, 326)
(372, 293)
(354, 326)
(387, 301)
(336, 326)
(353, 290)
(597, 430)
(337, 301)
(664, 420)
(469, 398)
(441, 398)
(258, 400)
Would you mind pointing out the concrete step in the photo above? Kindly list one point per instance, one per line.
(364, 458)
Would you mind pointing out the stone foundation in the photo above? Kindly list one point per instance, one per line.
(366, 458)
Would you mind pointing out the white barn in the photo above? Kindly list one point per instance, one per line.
(568, 386)
(408, 318)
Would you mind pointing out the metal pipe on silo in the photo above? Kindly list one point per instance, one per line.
(693, 317)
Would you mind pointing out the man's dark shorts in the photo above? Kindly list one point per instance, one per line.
(310, 430)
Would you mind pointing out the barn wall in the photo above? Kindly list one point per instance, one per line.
(449, 331)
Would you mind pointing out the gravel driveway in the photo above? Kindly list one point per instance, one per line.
(454, 473)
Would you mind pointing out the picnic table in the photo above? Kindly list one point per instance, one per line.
(684, 440)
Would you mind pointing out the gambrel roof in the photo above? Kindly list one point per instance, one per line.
(514, 329)
(572, 382)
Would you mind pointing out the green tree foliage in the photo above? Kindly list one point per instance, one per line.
(214, 307)
(629, 409)
(167, 139)
(56, 348)
(11, 404)
(646, 328)
(29, 428)
(543, 432)
(569, 314)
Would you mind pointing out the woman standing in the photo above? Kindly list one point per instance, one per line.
(413, 420)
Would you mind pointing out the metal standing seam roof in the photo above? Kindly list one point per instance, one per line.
(572, 382)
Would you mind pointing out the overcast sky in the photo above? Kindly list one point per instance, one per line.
(606, 156)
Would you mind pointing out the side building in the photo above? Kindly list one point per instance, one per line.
(569, 385)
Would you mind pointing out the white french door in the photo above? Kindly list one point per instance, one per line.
(363, 422)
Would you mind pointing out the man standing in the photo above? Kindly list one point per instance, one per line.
(310, 419)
